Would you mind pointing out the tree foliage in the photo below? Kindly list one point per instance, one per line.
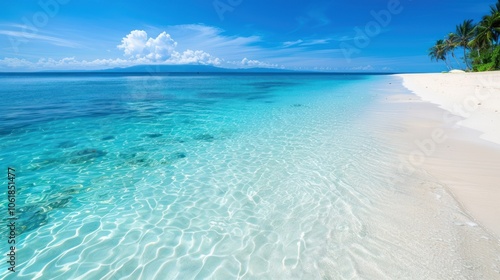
(479, 42)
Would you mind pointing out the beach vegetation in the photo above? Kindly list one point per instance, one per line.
(464, 37)
(438, 52)
(450, 46)
(486, 60)
(479, 43)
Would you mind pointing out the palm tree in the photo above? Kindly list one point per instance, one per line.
(487, 32)
(495, 8)
(495, 14)
(483, 39)
(438, 52)
(450, 45)
(465, 33)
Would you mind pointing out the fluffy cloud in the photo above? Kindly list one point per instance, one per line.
(196, 57)
(256, 63)
(134, 43)
(138, 45)
(14, 62)
(143, 49)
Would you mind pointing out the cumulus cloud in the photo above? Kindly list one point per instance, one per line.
(138, 45)
(162, 49)
(193, 57)
(256, 63)
(134, 43)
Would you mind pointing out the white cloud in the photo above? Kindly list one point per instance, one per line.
(15, 62)
(134, 43)
(193, 57)
(362, 67)
(186, 57)
(256, 63)
(160, 47)
(138, 45)
(65, 63)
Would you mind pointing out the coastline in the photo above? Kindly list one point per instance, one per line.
(458, 144)
(474, 97)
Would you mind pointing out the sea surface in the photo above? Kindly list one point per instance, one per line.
(221, 176)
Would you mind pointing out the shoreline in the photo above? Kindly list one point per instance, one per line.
(472, 99)
(457, 143)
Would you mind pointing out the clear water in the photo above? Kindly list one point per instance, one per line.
(218, 177)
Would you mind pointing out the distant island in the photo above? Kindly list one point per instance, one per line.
(159, 69)
(188, 68)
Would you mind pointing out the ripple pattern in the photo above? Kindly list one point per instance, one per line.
(210, 182)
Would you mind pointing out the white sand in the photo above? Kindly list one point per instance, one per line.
(468, 165)
(473, 96)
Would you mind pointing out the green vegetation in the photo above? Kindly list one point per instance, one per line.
(479, 42)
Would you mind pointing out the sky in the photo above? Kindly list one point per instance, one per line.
(337, 36)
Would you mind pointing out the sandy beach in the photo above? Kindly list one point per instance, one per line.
(458, 144)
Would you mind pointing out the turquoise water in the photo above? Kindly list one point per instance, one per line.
(204, 177)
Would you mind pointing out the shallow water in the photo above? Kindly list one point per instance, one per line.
(221, 177)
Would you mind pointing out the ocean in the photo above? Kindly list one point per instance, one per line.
(218, 176)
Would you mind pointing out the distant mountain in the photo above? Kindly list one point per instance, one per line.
(188, 68)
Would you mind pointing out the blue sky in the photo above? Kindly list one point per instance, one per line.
(309, 35)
